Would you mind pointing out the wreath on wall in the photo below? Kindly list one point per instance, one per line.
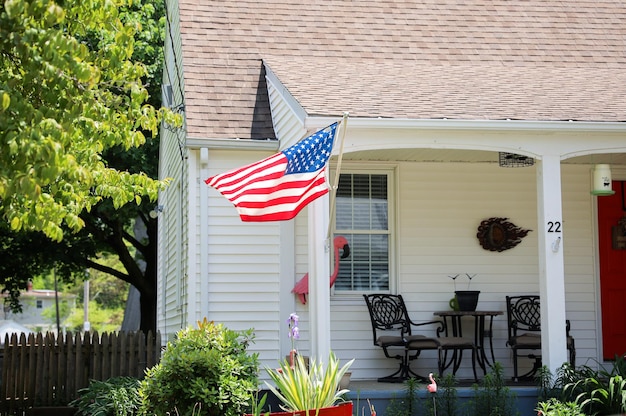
(498, 234)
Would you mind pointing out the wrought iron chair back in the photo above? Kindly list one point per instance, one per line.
(391, 331)
(524, 330)
(388, 312)
(523, 313)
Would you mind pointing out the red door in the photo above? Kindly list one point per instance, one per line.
(611, 209)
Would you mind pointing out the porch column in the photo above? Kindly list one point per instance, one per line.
(319, 278)
(551, 270)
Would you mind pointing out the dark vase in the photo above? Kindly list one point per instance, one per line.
(467, 299)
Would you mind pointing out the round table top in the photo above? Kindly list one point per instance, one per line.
(467, 313)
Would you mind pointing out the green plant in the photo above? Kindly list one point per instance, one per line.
(565, 385)
(299, 388)
(493, 397)
(554, 407)
(397, 407)
(117, 396)
(258, 404)
(600, 397)
(207, 367)
(447, 397)
(408, 404)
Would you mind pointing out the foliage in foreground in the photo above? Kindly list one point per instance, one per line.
(592, 392)
(206, 370)
(492, 397)
(117, 396)
(554, 407)
(80, 85)
(302, 388)
(69, 90)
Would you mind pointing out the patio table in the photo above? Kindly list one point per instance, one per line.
(481, 331)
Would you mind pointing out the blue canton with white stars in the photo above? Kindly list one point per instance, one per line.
(312, 153)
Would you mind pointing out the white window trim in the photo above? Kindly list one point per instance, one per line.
(391, 170)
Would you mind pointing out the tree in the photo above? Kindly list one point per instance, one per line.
(63, 103)
(74, 111)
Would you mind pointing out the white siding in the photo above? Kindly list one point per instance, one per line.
(441, 206)
(244, 265)
(172, 236)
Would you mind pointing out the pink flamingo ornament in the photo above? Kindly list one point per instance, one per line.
(432, 387)
(302, 287)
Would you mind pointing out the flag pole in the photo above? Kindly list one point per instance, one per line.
(319, 268)
(333, 189)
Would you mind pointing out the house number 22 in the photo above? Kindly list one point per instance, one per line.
(554, 226)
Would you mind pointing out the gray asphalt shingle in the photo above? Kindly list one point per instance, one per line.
(485, 60)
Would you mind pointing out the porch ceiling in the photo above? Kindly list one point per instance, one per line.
(466, 156)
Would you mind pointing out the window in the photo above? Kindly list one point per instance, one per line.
(39, 304)
(362, 216)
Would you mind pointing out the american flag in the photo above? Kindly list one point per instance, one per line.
(278, 187)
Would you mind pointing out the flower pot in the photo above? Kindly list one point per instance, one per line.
(345, 381)
(340, 409)
(467, 299)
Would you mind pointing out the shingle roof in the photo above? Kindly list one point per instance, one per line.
(487, 60)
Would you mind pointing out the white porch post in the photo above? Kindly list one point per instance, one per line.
(551, 270)
(319, 278)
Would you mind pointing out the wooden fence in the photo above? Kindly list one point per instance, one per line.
(48, 370)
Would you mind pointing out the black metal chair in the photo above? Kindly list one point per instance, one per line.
(391, 330)
(524, 329)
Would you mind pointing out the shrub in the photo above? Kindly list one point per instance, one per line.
(493, 397)
(203, 371)
(594, 392)
(554, 407)
(117, 396)
(601, 397)
(302, 388)
(447, 398)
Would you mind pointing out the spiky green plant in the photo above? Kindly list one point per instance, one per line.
(299, 388)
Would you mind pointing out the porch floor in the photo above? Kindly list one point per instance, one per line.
(380, 395)
(374, 385)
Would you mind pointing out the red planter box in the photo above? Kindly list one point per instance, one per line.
(341, 409)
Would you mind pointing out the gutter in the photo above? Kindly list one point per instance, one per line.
(316, 123)
(313, 123)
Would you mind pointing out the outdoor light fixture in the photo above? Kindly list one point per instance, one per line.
(513, 160)
(602, 185)
(155, 212)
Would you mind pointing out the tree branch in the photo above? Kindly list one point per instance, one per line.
(109, 270)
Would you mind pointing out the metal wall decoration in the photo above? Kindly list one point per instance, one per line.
(498, 234)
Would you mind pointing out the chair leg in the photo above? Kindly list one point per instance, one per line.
(404, 371)
(515, 377)
(400, 375)
(531, 373)
(572, 355)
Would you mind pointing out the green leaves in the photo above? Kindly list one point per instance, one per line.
(206, 368)
(302, 388)
(69, 91)
(5, 100)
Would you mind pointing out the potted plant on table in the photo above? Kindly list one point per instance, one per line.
(464, 300)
